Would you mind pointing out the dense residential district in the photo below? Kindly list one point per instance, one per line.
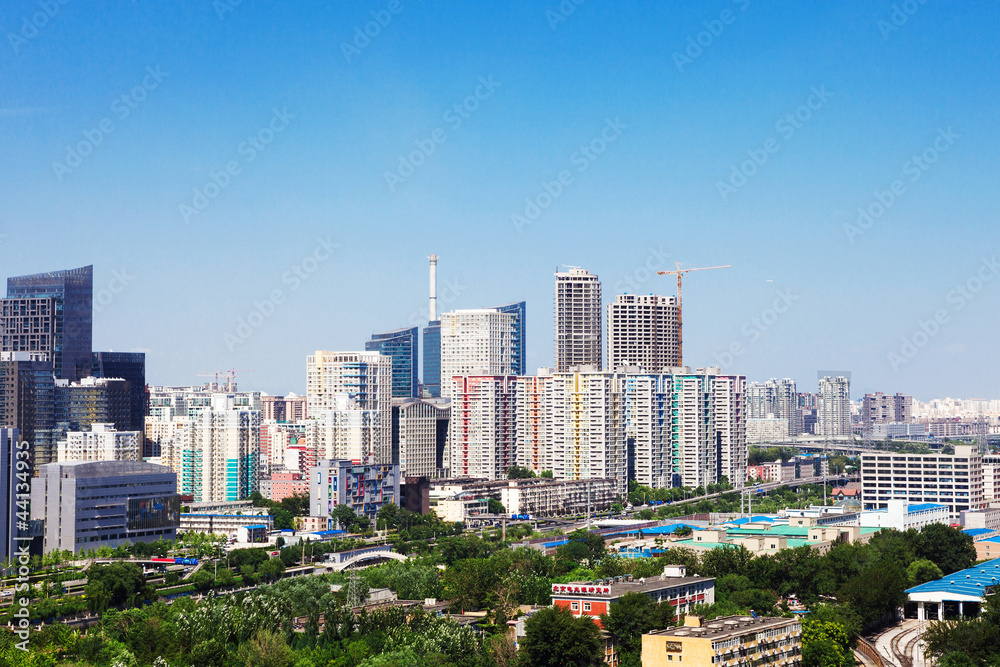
(620, 507)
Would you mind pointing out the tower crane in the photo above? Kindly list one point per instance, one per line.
(230, 375)
(679, 272)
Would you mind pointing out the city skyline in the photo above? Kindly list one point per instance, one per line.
(853, 203)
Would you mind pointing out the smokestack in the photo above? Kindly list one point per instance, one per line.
(434, 299)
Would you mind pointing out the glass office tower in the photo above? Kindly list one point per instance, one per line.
(432, 359)
(401, 345)
(51, 312)
(518, 361)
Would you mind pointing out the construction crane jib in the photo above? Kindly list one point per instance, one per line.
(679, 272)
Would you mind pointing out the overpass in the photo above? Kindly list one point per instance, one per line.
(342, 560)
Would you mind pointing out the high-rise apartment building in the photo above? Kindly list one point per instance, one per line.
(578, 320)
(483, 429)
(350, 431)
(364, 377)
(213, 447)
(476, 342)
(532, 421)
(776, 397)
(101, 443)
(289, 408)
(643, 332)
(879, 408)
(401, 346)
(585, 435)
(833, 414)
(52, 313)
(419, 436)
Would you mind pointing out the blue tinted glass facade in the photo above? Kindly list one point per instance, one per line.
(72, 321)
(432, 359)
(401, 345)
(517, 357)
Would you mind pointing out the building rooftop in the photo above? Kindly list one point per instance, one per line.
(726, 627)
(975, 532)
(616, 590)
(971, 582)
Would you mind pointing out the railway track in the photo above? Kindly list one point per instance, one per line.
(901, 652)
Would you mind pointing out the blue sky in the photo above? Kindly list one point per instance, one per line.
(301, 119)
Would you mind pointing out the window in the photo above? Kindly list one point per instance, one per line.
(575, 606)
(586, 606)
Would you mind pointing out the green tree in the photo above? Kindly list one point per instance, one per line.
(546, 474)
(921, 571)
(556, 638)
(496, 507)
(387, 515)
(344, 516)
(825, 644)
(949, 548)
(516, 472)
(266, 649)
(584, 548)
(626, 621)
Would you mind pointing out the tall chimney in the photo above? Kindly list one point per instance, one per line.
(433, 304)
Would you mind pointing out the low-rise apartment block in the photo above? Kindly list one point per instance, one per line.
(727, 640)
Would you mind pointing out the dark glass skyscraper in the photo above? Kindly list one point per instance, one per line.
(432, 359)
(129, 366)
(518, 309)
(51, 312)
(401, 345)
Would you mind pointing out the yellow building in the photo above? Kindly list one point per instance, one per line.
(727, 641)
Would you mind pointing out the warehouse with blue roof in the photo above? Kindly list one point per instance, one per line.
(958, 594)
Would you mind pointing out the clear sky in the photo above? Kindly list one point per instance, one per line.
(216, 159)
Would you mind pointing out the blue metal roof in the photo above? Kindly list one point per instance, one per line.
(920, 507)
(257, 526)
(328, 532)
(965, 582)
(977, 531)
(754, 519)
(992, 539)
